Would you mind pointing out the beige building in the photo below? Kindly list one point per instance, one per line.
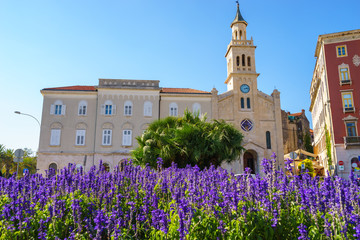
(295, 128)
(86, 124)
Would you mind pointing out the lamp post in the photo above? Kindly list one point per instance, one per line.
(17, 112)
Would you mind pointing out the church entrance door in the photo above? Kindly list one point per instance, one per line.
(250, 162)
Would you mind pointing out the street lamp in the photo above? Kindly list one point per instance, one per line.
(17, 112)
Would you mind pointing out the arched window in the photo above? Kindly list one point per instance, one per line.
(248, 103)
(53, 166)
(243, 59)
(249, 61)
(148, 108)
(173, 109)
(128, 108)
(58, 108)
(240, 35)
(108, 108)
(237, 61)
(236, 36)
(268, 140)
(121, 165)
(242, 102)
(196, 108)
(106, 167)
(82, 108)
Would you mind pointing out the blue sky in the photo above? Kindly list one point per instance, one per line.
(181, 43)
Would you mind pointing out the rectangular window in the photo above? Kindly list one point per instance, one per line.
(127, 138)
(82, 110)
(106, 139)
(127, 111)
(348, 104)
(58, 109)
(344, 74)
(351, 129)
(173, 111)
(341, 51)
(55, 137)
(108, 109)
(80, 137)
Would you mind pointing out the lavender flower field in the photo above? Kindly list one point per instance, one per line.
(173, 203)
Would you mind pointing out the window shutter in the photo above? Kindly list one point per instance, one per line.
(55, 137)
(114, 109)
(124, 138)
(127, 138)
(104, 137)
(102, 111)
(109, 137)
(63, 109)
(52, 109)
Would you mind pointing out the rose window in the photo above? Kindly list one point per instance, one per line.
(246, 125)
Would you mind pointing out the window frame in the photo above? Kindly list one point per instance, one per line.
(106, 139)
(343, 49)
(354, 127)
(173, 109)
(242, 103)
(148, 108)
(248, 103)
(128, 108)
(108, 108)
(268, 139)
(58, 108)
(196, 108)
(55, 137)
(82, 108)
(345, 101)
(127, 137)
(80, 137)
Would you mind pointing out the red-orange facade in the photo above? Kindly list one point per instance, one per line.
(333, 61)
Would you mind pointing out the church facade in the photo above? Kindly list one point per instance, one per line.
(88, 124)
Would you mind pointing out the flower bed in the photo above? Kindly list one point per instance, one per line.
(173, 203)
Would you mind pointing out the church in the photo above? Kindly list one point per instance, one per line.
(88, 124)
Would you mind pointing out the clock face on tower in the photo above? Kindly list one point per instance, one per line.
(245, 88)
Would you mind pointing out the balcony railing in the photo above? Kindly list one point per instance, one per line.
(352, 141)
(349, 109)
(344, 82)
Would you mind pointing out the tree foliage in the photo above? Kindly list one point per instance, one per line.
(188, 140)
(308, 167)
(328, 146)
(8, 166)
(307, 143)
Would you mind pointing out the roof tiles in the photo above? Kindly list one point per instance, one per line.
(72, 88)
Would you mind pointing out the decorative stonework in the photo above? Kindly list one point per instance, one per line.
(356, 60)
(246, 125)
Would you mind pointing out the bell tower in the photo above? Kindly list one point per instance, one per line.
(240, 58)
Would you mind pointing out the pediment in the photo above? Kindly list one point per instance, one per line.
(350, 118)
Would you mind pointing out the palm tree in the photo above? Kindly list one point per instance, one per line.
(188, 140)
(6, 157)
